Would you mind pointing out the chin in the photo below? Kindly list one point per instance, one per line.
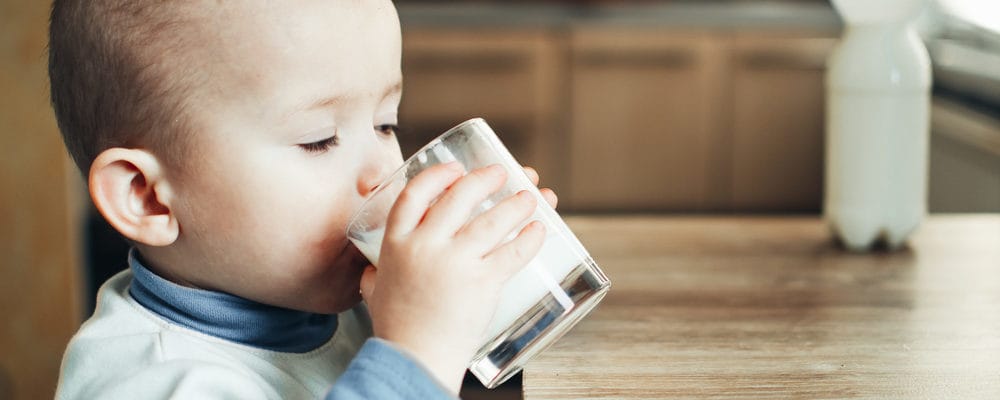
(337, 306)
(335, 286)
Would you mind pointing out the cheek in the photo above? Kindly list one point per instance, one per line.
(313, 214)
(322, 234)
(305, 217)
(275, 210)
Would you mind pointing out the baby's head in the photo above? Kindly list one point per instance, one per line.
(231, 141)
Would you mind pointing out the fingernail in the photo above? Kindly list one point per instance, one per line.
(536, 225)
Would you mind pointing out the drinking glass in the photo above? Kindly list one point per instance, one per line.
(540, 303)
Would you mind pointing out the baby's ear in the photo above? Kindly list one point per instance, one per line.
(129, 189)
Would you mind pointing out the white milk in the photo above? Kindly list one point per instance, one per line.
(541, 276)
(371, 245)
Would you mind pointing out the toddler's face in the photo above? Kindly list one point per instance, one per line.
(294, 127)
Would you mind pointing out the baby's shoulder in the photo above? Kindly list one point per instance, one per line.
(124, 349)
(116, 315)
(121, 327)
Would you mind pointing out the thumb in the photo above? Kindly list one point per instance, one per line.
(368, 282)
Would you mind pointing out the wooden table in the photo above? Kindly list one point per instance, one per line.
(770, 307)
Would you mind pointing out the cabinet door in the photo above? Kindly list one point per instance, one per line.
(509, 77)
(644, 132)
(41, 198)
(778, 121)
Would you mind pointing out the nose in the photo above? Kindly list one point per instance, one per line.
(379, 162)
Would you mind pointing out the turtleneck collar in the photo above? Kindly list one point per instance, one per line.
(230, 317)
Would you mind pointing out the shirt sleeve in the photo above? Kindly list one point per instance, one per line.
(380, 371)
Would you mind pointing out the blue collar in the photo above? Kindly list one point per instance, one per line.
(230, 317)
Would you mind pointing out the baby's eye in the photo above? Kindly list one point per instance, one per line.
(322, 145)
(388, 129)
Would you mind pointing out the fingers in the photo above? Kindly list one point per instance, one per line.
(547, 194)
(418, 195)
(532, 175)
(368, 282)
(488, 229)
(452, 210)
(441, 199)
(515, 254)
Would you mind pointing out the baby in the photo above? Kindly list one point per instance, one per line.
(230, 142)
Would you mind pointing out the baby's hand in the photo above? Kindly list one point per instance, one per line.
(549, 196)
(440, 274)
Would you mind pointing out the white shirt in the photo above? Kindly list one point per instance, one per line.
(125, 351)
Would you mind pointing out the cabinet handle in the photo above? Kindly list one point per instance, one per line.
(475, 61)
(630, 58)
(789, 58)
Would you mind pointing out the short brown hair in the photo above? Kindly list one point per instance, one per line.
(116, 76)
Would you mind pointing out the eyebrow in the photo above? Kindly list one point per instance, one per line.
(334, 100)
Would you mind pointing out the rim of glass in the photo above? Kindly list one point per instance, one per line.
(402, 168)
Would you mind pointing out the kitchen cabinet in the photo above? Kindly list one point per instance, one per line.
(778, 120)
(635, 118)
(689, 121)
(644, 120)
(964, 171)
(41, 194)
(510, 78)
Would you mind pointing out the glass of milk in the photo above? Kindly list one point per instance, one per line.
(540, 303)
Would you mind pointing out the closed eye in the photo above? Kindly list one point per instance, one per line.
(388, 129)
(322, 145)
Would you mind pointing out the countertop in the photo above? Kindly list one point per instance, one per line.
(771, 307)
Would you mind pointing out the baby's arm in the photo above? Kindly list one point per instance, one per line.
(381, 371)
(441, 274)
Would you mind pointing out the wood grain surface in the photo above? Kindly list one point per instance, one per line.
(771, 307)
(40, 213)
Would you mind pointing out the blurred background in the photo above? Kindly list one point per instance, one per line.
(622, 106)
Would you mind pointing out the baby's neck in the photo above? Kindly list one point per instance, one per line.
(229, 317)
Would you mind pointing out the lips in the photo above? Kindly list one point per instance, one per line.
(351, 265)
(358, 260)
